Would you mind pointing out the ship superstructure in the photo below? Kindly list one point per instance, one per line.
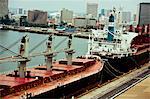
(121, 49)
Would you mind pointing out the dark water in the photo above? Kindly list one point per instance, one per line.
(9, 37)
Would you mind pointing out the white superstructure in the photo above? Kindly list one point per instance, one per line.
(111, 41)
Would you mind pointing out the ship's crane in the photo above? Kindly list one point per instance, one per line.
(23, 57)
(70, 51)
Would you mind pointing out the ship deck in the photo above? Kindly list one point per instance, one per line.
(14, 81)
(97, 67)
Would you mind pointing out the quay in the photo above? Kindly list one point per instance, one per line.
(116, 88)
(39, 30)
(139, 91)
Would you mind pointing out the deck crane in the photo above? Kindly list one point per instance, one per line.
(24, 52)
(70, 51)
(23, 57)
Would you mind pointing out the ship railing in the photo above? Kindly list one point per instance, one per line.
(6, 72)
(109, 43)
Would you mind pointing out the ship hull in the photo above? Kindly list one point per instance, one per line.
(72, 89)
(122, 65)
(125, 64)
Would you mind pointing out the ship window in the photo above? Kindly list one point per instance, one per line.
(121, 49)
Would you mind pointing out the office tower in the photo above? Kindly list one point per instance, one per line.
(143, 13)
(3, 8)
(92, 9)
(66, 15)
(126, 17)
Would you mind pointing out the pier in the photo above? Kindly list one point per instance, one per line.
(116, 88)
(45, 31)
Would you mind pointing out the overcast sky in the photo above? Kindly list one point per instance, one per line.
(75, 5)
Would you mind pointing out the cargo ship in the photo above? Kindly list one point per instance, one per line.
(122, 50)
(56, 79)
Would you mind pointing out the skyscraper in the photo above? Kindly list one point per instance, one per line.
(3, 8)
(20, 11)
(126, 17)
(144, 13)
(92, 9)
(66, 15)
(105, 12)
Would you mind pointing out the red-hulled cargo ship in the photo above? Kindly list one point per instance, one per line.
(53, 80)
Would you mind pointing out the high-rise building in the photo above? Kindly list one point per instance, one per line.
(144, 13)
(126, 17)
(105, 12)
(37, 17)
(134, 17)
(92, 9)
(3, 8)
(66, 15)
(84, 22)
(20, 11)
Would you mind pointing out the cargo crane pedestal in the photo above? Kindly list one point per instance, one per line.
(69, 56)
(69, 51)
(22, 68)
(49, 56)
(49, 61)
(24, 52)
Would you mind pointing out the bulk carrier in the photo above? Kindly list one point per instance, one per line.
(121, 50)
(56, 79)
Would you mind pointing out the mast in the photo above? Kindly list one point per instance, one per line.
(49, 55)
(70, 51)
(24, 52)
(111, 27)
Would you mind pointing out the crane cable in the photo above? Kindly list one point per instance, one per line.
(37, 45)
(60, 43)
(6, 49)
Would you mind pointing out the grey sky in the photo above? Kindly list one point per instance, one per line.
(75, 5)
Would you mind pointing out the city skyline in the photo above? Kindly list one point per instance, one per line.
(75, 5)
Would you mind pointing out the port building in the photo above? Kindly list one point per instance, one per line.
(66, 15)
(37, 17)
(143, 13)
(3, 8)
(92, 9)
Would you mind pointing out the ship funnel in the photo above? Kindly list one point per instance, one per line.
(111, 28)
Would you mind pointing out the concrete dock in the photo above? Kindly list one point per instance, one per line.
(37, 30)
(139, 91)
(122, 84)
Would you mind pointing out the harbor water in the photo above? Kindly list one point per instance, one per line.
(7, 38)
